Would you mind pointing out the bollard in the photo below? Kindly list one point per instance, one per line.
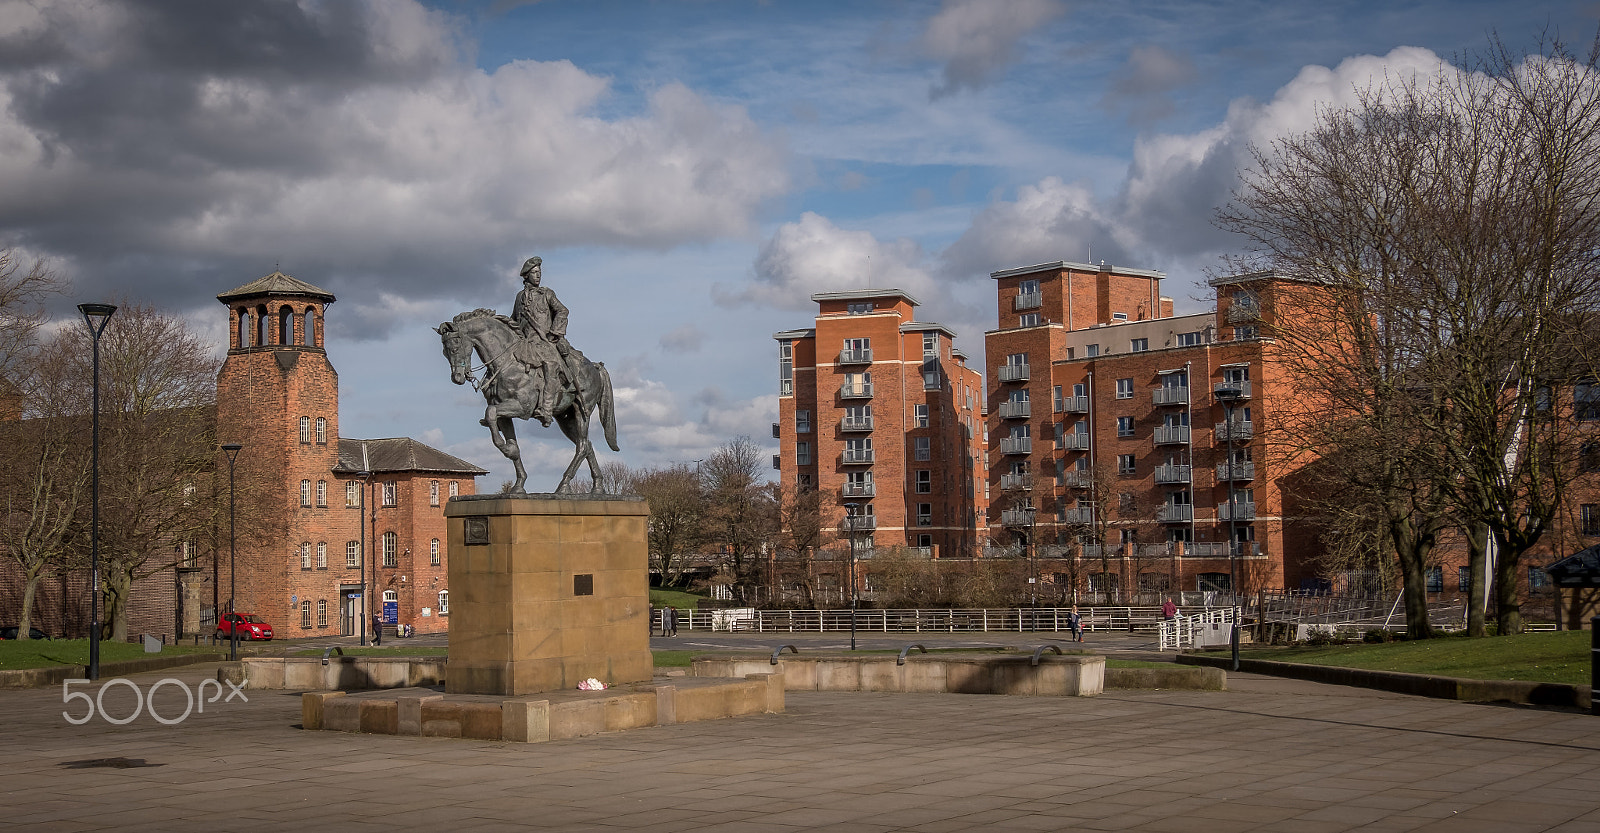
(1594, 664)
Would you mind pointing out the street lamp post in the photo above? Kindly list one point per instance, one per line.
(852, 508)
(1229, 396)
(97, 316)
(361, 610)
(232, 450)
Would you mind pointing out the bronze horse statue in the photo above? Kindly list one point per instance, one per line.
(512, 392)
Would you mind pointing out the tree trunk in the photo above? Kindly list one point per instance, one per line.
(1412, 550)
(1508, 608)
(25, 618)
(1477, 568)
(114, 616)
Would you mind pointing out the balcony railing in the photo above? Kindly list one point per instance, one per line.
(1013, 373)
(1172, 474)
(1238, 471)
(920, 552)
(859, 490)
(1017, 517)
(1016, 481)
(1171, 395)
(1029, 300)
(1016, 445)
(1016, 410)
(1239, 430)
(1240, 511)
(1172, 435)
(1077, 479)
(1074, 442)
(856, 456)
(1175, 513)
(1082, 515)
(924, 520)
(857, 424)
(1242, 387)
(1073, 404)
(855, 356)
(857, 523)
(857, 391)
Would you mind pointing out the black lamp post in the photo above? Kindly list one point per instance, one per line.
(852, 508)
(232, 450)
(1228, 396)
(97, 316)
(361, 611)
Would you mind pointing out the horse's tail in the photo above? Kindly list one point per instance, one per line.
(608, 416)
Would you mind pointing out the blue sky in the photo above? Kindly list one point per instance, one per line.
(691, 170)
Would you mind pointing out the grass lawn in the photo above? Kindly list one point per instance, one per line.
(1552, 657)
(43, 653)
(660, 598)
(377, 652)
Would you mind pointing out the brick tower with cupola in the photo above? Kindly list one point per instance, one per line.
(278, 396)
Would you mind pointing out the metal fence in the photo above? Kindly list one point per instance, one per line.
(932, 620)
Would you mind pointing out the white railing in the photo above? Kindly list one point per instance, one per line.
(1242, 387)
(1238, 471)
(853, 456)
(1179, 634)
(1073, 404)
(937, 620)
(1015, 410)
(1240, 511)
(857, 391)
(859, 490)
(1077, 479)
(1172, 434)
(1240, 430)
(1081, 515)
(1174, 512)
(1029, 300)
(1073, 442)
(1016, 481)
(855, 356)
(1013, 373)
(1171, 395)
(857, 424)
(1017, 517)
(1016, 445)
(1172, 474)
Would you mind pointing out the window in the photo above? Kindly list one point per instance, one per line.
(924, 541)
(1061, 435)
(858, 450)
(433, 552)
(352, 493)
(859, 307)
(802, 422)
(924, 481)
(1589, 519)
(391, 543)
(930, 344)
(1126, 464)
(305, 493)
(932, 379)
(802, 454)
(785, 368)
(919, 416)
(433, 493)
(922, 448)
(1124, 426)
(305, 556)
(1028, 287)
(1190, 339)
(1463, 579)
(322, 493)
(308, 326)
(1435, 576)
(1028, 319)
(1246, 333)
(857, 384)
(924, 514)
(389, 493)
(1125, 502)
(187, 554)
(305, 614)
(444, 602)
(1589, 457)
(322, 555)
(1138, 345)
(305, 430)
(390, 597)
(1237, 376)
(1586, 402)
(322, 430)
(352, 554)
(1124, 388)
(1090, 351)
(322, 613)
(454, 489)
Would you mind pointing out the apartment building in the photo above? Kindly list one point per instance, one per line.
(1125, 434)
(881, 414)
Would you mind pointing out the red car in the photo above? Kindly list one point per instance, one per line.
(250, 626)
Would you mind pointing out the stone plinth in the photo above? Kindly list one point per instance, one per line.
(547, 591)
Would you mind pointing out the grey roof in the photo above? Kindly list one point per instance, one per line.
(1078, 267)
(925, 327)
(790, 335)
(866, 293)
(397, 454)
(278, 284)
(1581, 569)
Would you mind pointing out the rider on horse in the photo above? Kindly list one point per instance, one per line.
(541, 319)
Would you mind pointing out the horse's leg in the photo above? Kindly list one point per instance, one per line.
(576, 428)
(588, 449)
(514, 453)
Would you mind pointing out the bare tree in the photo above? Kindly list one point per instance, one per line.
(740, 513)
(677, 516)
(800, 534)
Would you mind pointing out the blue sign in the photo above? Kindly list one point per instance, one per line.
(391, 613)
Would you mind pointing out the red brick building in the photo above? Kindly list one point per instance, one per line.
(302, 570)
(881, 411)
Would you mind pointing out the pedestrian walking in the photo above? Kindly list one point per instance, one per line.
(377, 629)
(1169, 611)
(1075, 622)
(669, 622)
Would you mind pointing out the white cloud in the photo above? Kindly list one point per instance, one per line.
(814, 255)
(1141, 87)
(976, 39)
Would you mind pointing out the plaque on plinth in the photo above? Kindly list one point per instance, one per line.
(547, 591)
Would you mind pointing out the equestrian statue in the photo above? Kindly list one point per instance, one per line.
(531, 372)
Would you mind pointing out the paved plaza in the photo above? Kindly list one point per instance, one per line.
(1267, 755)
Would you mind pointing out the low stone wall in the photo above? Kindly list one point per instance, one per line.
(1054, 676)
(1185, 677)
(53, 675)
(1422, 685)
(347, 673)
(536, 718)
